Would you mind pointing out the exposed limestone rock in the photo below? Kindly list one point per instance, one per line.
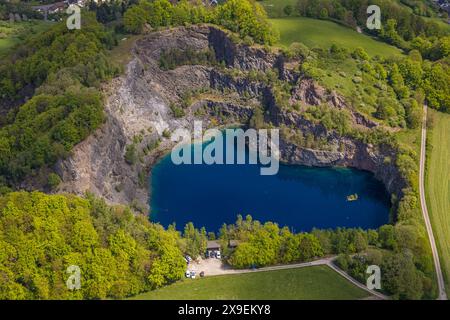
(239, 56)
(308, 92)
(138, 112)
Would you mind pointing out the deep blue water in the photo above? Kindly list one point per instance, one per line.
(299, 197)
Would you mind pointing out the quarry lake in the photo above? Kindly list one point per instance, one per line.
(298, 197)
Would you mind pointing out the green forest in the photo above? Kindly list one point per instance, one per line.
(247, 18)
(63, 71)
(119, 254)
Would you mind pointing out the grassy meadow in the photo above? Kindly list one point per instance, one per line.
(274, 8)
(437, 186)
(318, 282)
(12, 34)
(321, 33)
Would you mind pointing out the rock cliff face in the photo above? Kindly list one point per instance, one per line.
(139, 114)
(239, 56)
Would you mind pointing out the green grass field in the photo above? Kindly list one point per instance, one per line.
(318, 282)
(274, 8)
(320, 33)
(12, 34)
(410, 138)
(438, 188)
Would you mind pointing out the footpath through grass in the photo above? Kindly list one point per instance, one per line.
(321, 33)
(438, 188)
(318, 282)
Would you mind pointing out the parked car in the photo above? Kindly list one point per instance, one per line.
(192, 274)
(188, 274)
(207, 254)
(218, 254)
(202, 274)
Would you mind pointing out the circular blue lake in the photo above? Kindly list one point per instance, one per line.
(299, 197)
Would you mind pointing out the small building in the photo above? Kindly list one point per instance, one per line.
(57, 7)
(214, 245)
(50, 8)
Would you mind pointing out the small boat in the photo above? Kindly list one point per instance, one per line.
(352, 197)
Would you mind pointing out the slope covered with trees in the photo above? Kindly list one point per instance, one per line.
(247, 18)
(61, 70)
(119, 254)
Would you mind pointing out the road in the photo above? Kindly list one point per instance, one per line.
(440, 278)
(355, 282)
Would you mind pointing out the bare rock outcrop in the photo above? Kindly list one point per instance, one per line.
(138, 114)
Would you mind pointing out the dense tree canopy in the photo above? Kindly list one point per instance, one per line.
(118, 254)
(389, 246)
(63, 69)
(245, 17)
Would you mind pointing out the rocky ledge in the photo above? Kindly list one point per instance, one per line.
(114, 163)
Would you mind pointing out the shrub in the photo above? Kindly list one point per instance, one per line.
(131, 154)
(177, 111)
(288, 10)
(357, 79)
(53, 180)
(360, 53)
(166, 133)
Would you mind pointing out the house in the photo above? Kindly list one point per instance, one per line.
(58, 7)
(80, 3)
(42, 8)
(50, 8)
(214, 245)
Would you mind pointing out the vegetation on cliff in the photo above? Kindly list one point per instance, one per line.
(62, 70)
(245, 17)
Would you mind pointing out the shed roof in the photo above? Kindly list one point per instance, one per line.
(212, 244)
